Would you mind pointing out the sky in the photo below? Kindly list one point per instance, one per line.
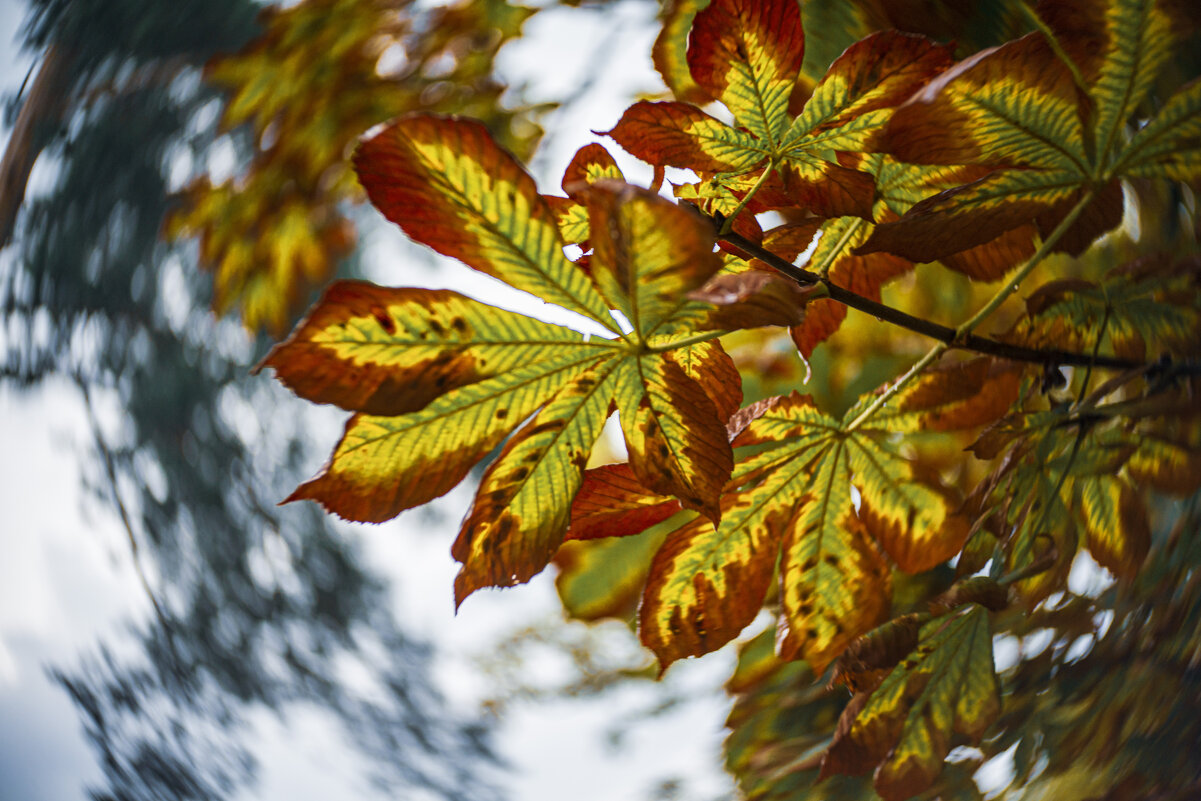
(67, 580)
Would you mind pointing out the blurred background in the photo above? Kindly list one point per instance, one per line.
(166, 630)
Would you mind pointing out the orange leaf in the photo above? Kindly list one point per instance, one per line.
(613, 503)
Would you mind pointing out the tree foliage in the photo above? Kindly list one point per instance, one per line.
(922, 505)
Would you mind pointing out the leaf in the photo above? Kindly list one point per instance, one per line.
(679, 135)
(654, 254)
(1167, 466)
(854, 98)
(706, 584)
(955, 396)
(1120, 47)
(523, 505)
(375, 472)
(449, 186)
(946, 687)
(669, 52)
(1011, 106)
(591, 163)
(391, 351)
(604, 578)
(611, 502)
(1115, 524)
(447, 183)
(747, 54)
(677, 443)
(1167, 146)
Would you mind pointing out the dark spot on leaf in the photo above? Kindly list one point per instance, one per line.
(830, 559)
(385, 321)
(460, 325)
(501, 414)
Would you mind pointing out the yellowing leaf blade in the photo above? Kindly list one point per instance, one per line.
(651, 254)
(705, 585)
(947, 686)
(678, 135)
(523, 505)
(747, 54)
(388, 351)
(384, 465)
(451, 187)
(676, 441)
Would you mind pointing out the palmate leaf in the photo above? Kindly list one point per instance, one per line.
(792, 495)
(437, 380)
(1018, 109)
(748, 55)
(905, 728)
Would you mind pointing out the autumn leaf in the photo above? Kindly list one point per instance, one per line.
(278, 228)
(438, 381)
(905, 727)
(748, 55)
(792, 495)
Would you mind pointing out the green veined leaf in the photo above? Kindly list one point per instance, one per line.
(1167, 146)
(946, 687)
(1120, 47)
(449, 186)
(747, 54)
(1167, 466)
(979, 212)
(853, 99)
(678, 135)
(391, 351)
(523, 505)
(654, 253)
(676, 441)
(384, 465)
(834, 584)
(705, 585)
(1014, 105)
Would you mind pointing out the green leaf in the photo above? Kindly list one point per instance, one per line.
(947, 686)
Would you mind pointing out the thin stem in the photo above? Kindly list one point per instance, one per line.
(965, 330)
(919, 325)
(1011, 285)
(727, 225)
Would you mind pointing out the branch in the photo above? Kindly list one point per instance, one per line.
(42, 108)
(945, 334)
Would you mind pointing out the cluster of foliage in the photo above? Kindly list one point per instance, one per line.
(895, 536)
(842, 524)
(279, 227)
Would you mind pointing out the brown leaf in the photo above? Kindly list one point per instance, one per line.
(613, 503)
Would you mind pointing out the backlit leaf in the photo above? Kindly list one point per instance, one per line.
(375, 472)
(680, 135)
(946, 687)
(449, 186)
(676, 441)
(651, 255)
(706, 584)
(747, 54)
(523, 505)
(613, 503)
(390, 351)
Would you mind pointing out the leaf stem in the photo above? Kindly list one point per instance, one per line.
(965, 330)
(728, 223)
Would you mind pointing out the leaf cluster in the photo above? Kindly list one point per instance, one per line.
(1004, 455)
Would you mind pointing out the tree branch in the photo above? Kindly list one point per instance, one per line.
(1051, 357)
